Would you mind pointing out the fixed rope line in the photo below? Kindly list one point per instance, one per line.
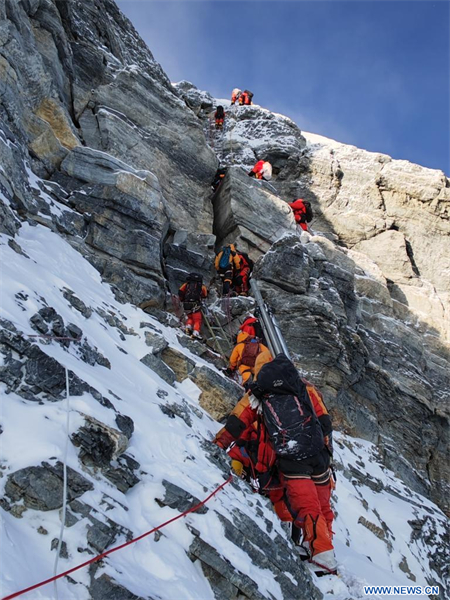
(64, 506)
(66, 446)
(133, 541)
(231, 139)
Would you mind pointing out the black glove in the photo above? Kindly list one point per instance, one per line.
(228, 371)
(256, 391)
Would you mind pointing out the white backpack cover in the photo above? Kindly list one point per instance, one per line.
(267, 171)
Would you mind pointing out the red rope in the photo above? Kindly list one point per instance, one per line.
(100, 556)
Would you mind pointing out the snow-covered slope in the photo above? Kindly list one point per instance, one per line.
(385, 534)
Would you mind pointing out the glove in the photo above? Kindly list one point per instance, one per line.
(237, 467)
(256, 391)
(229, 371)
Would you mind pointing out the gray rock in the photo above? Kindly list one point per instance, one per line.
(37, 376)
(248, 212)
(159, 366)
(201, 550)
(102, 531)
(219, 394)
(105, 587)
(178, 498)
(157, 343)
(48, 322)
(125, 424)
(201, 350)
(41, 488)
(289, 270)
(185, 253)
(92, 166)
(178, 409)
(121, 472)
(98, 443)
(223, 589)
(77, 304)
(196, 99)
(180, 364)
(63, 552)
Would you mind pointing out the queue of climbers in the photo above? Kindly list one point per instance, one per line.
(279, 435)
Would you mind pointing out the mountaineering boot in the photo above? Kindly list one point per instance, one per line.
(301, 545)
(324, 563)
(323, 560)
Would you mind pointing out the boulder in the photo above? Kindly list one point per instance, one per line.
(180, 364)
(41, 488)
(157, 365)
(390, 252)
(186, 252)
(255, 133)
(99, 444)
(219, 394)
(247, 212)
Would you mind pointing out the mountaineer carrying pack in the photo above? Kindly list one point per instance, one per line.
(193, 291)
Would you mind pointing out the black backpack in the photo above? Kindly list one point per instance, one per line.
(193, 293)
(309, 213)
(250, 94)
(292, 425)
(220, 112)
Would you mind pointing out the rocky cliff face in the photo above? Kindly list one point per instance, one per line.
(85, 106)
(365, 302)
(100, 152)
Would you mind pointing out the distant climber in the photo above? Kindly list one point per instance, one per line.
(296, 430)
(227, 265)
(218, 178)
(303, 213)
(262, 170)
(240, 283)
(191, 295)
(244, 355)
(235, 95)
(219, 117)
(245, 98)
